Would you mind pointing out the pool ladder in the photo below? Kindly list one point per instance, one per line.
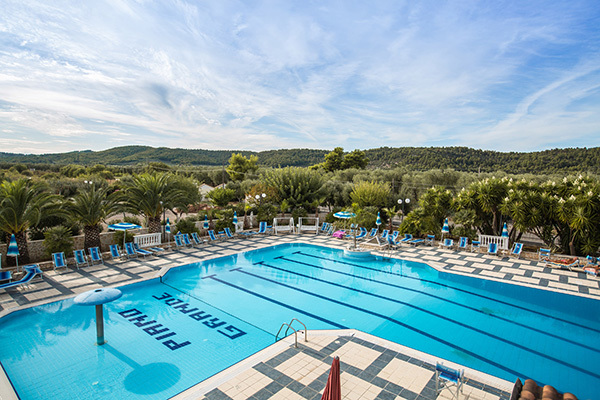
(289, 326)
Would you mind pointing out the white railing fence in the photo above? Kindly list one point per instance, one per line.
(148, 240)
(501, 242)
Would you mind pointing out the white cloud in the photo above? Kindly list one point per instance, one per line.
(272, 75)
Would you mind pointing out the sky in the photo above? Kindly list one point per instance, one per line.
(259, 75)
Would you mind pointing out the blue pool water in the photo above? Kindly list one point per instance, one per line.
(164, 337)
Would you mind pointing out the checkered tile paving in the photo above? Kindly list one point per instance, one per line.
(368, 371)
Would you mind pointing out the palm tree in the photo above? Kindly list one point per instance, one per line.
(91, 207)
(147, 194)
(22, 204)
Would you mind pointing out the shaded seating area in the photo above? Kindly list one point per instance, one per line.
(30, 272)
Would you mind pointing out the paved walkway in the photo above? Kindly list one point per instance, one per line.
(371, 368)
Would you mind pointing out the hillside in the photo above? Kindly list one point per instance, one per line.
(570, 160)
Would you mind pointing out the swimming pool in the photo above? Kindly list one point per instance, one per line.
(164, 337)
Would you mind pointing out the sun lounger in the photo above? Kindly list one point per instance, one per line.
(492, 249)
(325, 227)
(516, 250)
(385, 233)
(80, 258)
(197, 239)
(30, 272)
(544, 254)
(391, 243)
(475, 244)
(186, 240)
(179, 241)
(212, 236)
(372, 233)
(114, 251)
(95, 255)
(449, 378)
(5, 276)
(407, 238)
(416, 242)
(59, 260)
(563, 263)
(141, 251)
(228, 233)
(130, 250)
(591, 271)
(463, 242)
(363, 233)
(429, 240)
(447, 243)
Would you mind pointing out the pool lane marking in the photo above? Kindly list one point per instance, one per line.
(561, 338)
(461, 324)
(213, 277)
(395, 321)
(454, 288)
(215, 307)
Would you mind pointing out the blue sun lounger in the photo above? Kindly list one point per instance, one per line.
(362, 234)
(186, 240)
(463, 242)
(141, 251)
(492, 249)
(212, 236)
(5, 276)
(197, 239)
(95, 255)
(385, 233)
(407, 238)
(416, 242)
(179, 241)
(31, 272)
(59, 260)
(448, 243)
(516, 250)
(228, 233)
(114, 251)
(80, 258)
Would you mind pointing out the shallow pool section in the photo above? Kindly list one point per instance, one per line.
(164, 337)
(159, 343)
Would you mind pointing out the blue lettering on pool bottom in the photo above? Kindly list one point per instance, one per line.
(196, 314)
(138, 318)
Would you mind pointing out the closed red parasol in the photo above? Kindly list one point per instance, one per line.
(333, 390)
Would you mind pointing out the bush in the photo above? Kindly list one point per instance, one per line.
(225, 220)
(118, 237)
(186, 225)
(58, 239)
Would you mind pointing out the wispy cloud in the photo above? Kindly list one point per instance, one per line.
(233, 75)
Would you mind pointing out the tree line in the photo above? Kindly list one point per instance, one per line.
(570, 160)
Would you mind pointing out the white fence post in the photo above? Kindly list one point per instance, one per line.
(502, 242)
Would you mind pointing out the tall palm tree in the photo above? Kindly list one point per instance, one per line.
(22, 204)
(148, 194)
(91, 207)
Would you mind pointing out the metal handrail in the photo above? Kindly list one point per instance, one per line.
(295, 333)
(301, 323)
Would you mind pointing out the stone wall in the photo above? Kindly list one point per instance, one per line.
(37, 249)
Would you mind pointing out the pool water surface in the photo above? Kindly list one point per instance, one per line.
(167, 335)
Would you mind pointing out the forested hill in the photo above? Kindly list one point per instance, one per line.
(413, 158)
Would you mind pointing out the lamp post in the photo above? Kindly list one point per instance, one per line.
(402, 203)
(163, 218)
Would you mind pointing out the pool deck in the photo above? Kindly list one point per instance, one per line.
(371, 367)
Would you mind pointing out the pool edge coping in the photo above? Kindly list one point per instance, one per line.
(213, 382)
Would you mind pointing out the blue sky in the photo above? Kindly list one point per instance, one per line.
(258, 75)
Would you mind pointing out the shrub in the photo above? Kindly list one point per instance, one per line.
(186, 225)
(58, 239)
